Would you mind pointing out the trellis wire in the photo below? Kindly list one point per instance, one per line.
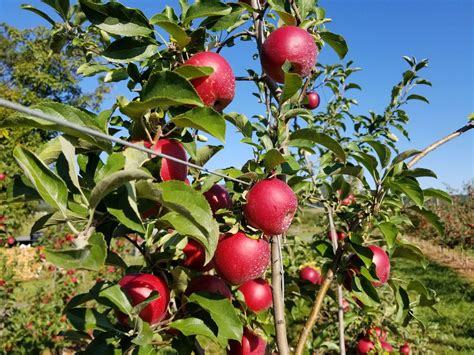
(92, 132)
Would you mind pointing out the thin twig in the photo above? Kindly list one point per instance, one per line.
(439, 143)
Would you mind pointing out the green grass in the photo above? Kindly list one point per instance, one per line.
(451, 331)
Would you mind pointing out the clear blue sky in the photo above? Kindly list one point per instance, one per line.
(379, 33)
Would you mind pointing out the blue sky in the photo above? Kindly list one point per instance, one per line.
(379, 33)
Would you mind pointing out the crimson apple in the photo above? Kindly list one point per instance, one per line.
(313, 100)
(405, 349)
(339, 235)
(251, 344)
(195, 256)
(210, 284)
(378, 332)
(239, 258)
(386, 346)
(346, 306)
(271, 206)
(218, 198)
(382, 265)
(2, 176)
(138, 287)
(365, 345)
(171, 170)
(311, 274)
(218, 89)
(257, 294)
(11, 240)
(292, 44)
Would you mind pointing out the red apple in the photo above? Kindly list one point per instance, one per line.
(218, 198)
(138, 287)
(364, 346)
(339, 235)
(257, 294)
(11, 240)
(2, 282)
(271, 206)
(216, 90)
(210, 284)
(311, 274)
(171, 170)
(313, 100)
(382, 265)
(378, 332)
(288, 43)
(2, 177)
(386, 346)
(346, 306)
(349, 200)
(405, 349)
(251, 344)
(195, 256)
(239, 258)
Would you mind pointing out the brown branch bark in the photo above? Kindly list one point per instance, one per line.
(439, 143)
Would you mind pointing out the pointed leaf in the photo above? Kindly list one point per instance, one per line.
(204, 119)
(307, 136)
(390, 231)
(411, 188)
(193, 326)
(336, 42)
(126, 50)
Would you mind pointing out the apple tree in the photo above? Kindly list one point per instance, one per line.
(215, 251)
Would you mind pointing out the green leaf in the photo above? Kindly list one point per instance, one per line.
(122, 204)
(191, 72)
(189, 211)
(411, 188)
(126, 50)
(117, 19)
(404, 155)
(69, 153)
(223, 314)
(206, 8)
(38, 12)
(410, 252)
(369, 162)
(88, 319)
(293, 83)
(116, 75)
(113, 181)
(90, 257)
(417, 97)
(89, 69)
(403, 304)
(364, 253)
(204, 119)
(363, 290)
(307, 137)
(272, 159)
(193, 326)
(383, 152)
(419, 172)
(284, 12)
(60, 6)
(336, 42)
(178, 34)
(390, 231)
(241, 122)
(431, 217)
(50, 186)
(116, 297)
(64, 112)
(436, 193)
(205, 153)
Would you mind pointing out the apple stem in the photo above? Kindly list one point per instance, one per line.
(440, 142)
(278, 296)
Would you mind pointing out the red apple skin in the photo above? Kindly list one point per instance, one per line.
(257, 294)
(271, 206)
(11, 240)
(218, 198)
(379, 333)
(382, 265)
(288, 43)
(349, 200)
(339, 235)
(405, 349)
(218, 89)
(346, 306)
(195, 257)
(138, 287)
(386, 346)
(210, 284)
(364, 346)
(313, 100)
(251, 344)
(239, 258)
(2, 177)
(171, 170)
(310, 274)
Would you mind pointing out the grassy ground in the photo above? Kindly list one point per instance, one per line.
(455, 318)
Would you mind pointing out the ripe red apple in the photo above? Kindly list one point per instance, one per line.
(195, 256)
(210, 284)
(11, 240)
(239, 258)
(339, 235)
(405, 349)
(378, 332)
(364, 346)
(345, 305)
(171, 170)
(382, 265)
(288, 43)
(218, 198)
(218, 89)
(251, 344)
(271, 206)
(386, 346)
(2, 176)
(311, 274)
(257, 294)
(138, 287)
(313, 100)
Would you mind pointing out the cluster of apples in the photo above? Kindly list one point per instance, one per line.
(378, 336)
